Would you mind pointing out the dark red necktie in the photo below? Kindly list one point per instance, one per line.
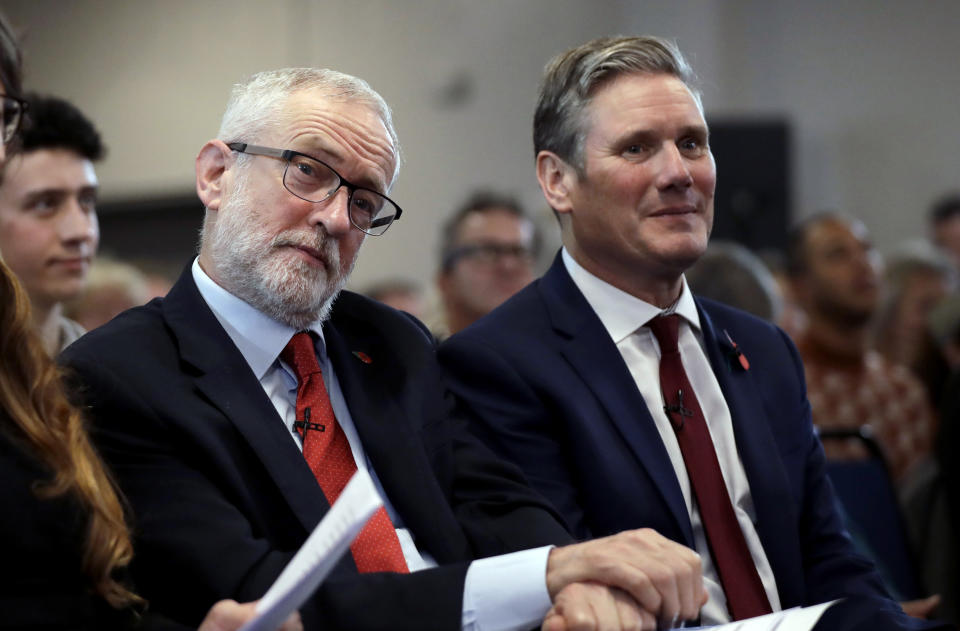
(327, 451)
(741, 583)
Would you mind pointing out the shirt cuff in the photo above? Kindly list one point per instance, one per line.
(507, 592)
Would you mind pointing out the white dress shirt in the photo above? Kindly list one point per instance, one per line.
(624, 317)
(501, 593)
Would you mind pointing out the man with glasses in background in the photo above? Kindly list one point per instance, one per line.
(234, 410)
(48, 217)
(487, 254)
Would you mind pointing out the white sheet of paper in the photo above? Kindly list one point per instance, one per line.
(319, 553)
(795, 619)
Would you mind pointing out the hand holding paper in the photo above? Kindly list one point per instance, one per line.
(319, 553)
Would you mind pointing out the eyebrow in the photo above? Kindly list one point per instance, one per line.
(59, 192)
(652, 133)
(320, 151)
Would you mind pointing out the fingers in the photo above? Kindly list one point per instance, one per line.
(921, 608)
(553, 622)
(630, 614)
(229, 615)
(292, 623)
(662, 576)
(592, 607)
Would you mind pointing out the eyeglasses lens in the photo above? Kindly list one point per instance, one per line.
(315, 182)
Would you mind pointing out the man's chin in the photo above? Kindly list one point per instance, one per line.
(306, 315)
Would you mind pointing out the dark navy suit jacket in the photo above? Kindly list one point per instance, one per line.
(546, 387)
(222, 498)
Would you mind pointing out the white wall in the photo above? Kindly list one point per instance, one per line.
(871, 86)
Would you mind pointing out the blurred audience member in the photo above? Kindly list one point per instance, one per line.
(835, 272)
(48, 217)
(917, 278)
(933, 501)
(944, 573)
(792, 318)
(945, 225)
(402, 294)
(159, 274)
(486, 255)
(112, 286)
(730, 273)
(67, 543)
(944, 322)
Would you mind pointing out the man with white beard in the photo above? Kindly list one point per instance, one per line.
(234, 409)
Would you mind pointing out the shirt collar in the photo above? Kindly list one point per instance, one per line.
(621, 313)
(259, 338)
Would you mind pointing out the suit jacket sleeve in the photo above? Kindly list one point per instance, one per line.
(221, 497)
(196, 545)
(545, 387)
(518, 422)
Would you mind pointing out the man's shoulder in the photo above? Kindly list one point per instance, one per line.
(723, 317)
(122, 336)
(355, 314)
(522, 312)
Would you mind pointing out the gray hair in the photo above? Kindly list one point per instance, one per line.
(257, 105)
(573, 77)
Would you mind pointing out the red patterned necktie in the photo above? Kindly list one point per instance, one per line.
(741, 583)
(327, 451)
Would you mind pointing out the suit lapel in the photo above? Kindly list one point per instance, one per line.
(588, 348)
(372, 380)
(223, 377)
(769, 488)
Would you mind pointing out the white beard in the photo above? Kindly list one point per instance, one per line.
(267, 274)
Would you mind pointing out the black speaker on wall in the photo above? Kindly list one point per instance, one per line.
(753, 199)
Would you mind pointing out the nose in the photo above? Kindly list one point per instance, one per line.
(78, 223)
(674, 172)
(514, 261)
(333, 213)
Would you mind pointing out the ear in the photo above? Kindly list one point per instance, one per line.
(211, 166)
(556, 178)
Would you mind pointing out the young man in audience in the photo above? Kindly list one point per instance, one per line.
(48, 216)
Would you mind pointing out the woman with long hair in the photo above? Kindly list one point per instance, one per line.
(66, 542)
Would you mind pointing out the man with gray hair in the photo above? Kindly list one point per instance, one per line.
(234, 410)
(627, 401)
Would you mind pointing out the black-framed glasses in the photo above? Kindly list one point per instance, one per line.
(13, 110)
(315, 181)
(488, 253)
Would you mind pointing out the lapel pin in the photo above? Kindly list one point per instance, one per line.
(362, 357)
(744, 362)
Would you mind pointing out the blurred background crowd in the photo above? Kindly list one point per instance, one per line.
(838, 217)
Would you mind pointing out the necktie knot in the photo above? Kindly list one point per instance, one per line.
(666, 329)
(300, 354)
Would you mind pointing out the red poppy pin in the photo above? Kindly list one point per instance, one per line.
(362, 357)
(744, 362)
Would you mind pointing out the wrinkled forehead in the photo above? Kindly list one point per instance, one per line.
(348, 131)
